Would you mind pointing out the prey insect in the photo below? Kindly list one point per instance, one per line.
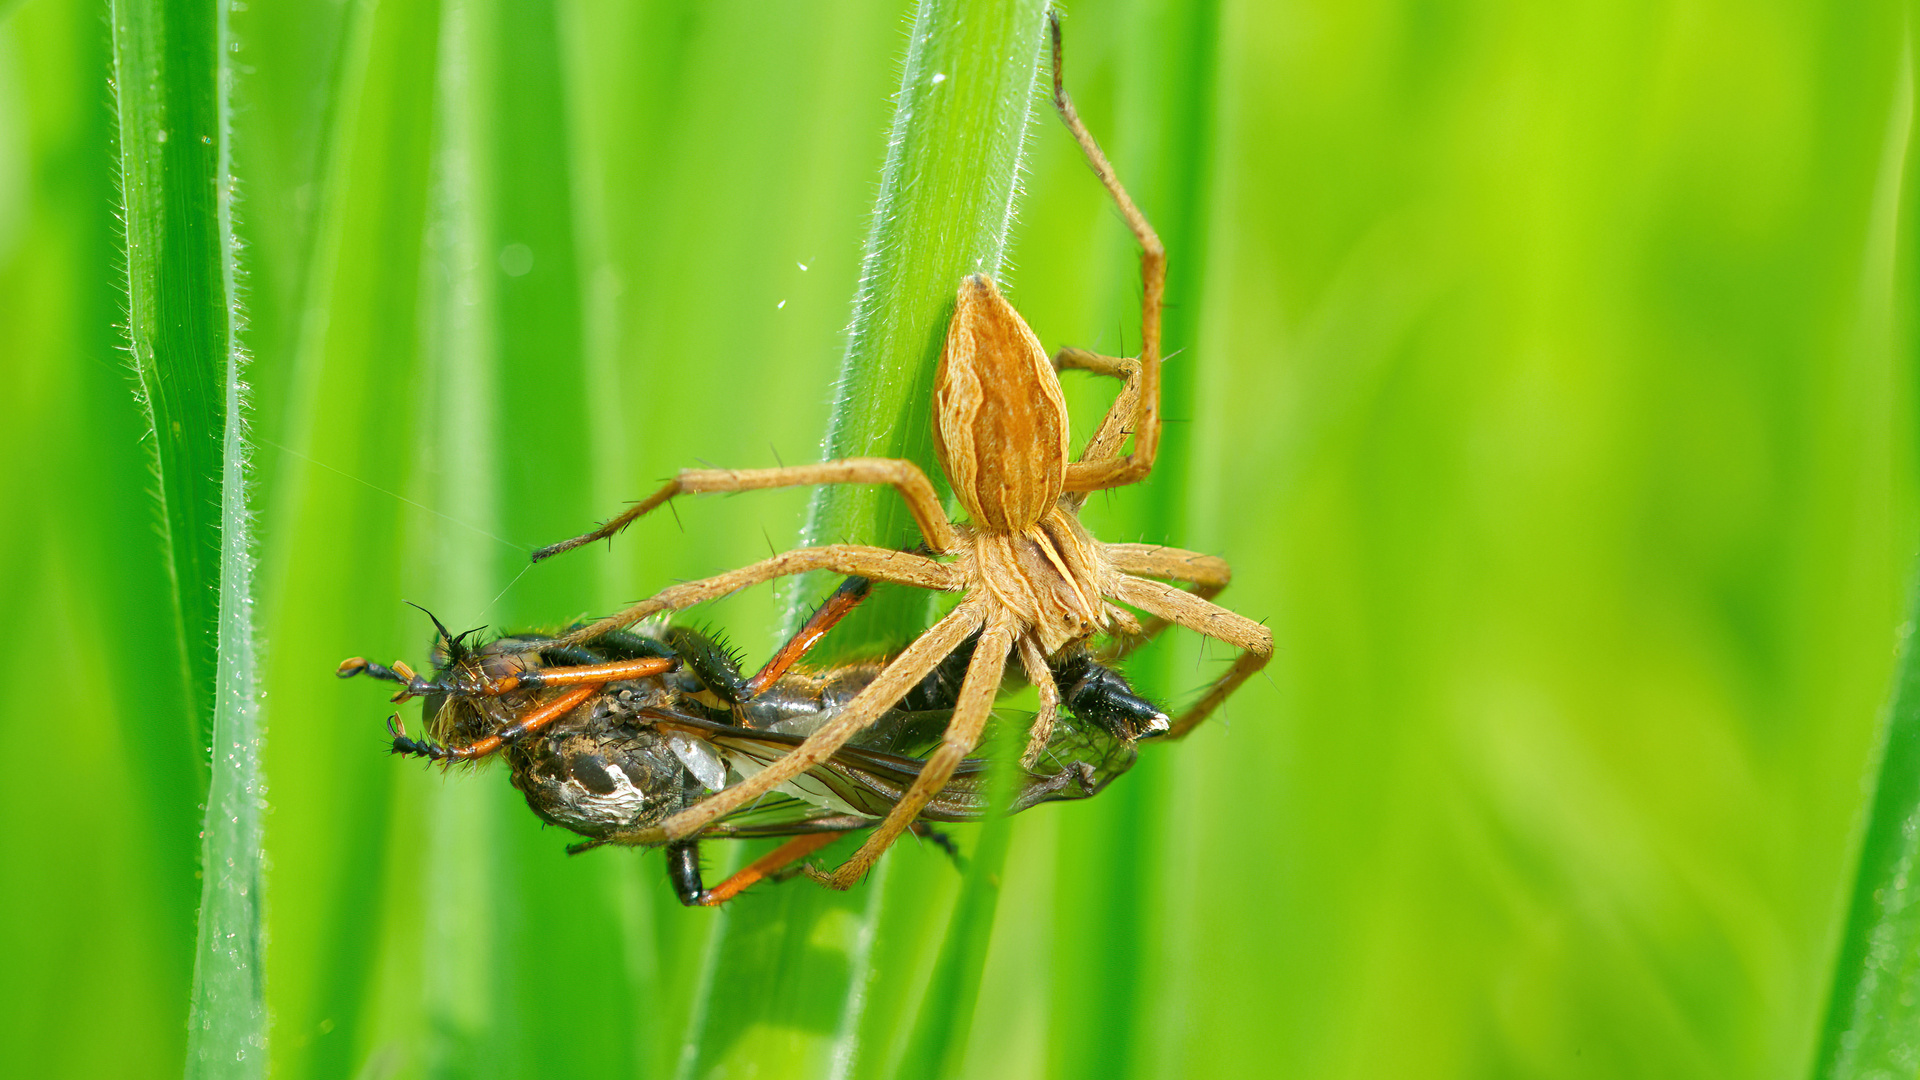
(618, 758)
(1033, 583)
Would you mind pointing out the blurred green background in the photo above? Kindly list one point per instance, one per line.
(1545, 374)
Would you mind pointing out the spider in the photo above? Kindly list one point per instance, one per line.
(1032, 581)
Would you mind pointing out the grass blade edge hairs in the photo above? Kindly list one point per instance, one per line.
(1873, 1018)
(173, 77)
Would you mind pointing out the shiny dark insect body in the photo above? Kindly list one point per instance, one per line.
(611, 759)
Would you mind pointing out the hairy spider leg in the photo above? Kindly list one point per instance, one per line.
(858, 560)
(904, 476)
(1116, 425)
(1177, 605)
(970, 714)
(1206, 576)
(901, 674)
(1109, 472)
(1041, 676)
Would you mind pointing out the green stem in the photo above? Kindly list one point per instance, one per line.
(946, 200)
(173, 73)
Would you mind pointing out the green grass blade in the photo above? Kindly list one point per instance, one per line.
(943, 210)
(173, 70)
(165, 79)
(939, 1042)
(945, 203)
(1121, 889)
(1873, 1017)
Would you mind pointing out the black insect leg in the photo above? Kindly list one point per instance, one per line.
(941, 840)
(683, 867)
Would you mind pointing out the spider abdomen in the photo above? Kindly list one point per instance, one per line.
(999, 419)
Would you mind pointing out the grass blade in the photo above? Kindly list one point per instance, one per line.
(174, 74)
(939, 1044)
(1873, 1017)
(943, 210)
(164, 77)
(946, 201)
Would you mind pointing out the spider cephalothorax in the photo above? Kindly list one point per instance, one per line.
(1033, 582)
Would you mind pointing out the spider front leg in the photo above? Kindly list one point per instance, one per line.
(880, 564)
(904, 476)
(1178, 605)
(1117, 424)
(970, 714)
(1113, 471)
(1034, 660)
(1207, 574)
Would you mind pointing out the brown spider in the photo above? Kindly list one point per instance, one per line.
(1033, 582)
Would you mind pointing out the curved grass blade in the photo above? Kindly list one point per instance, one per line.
(173, 71)
(939, 1043)
(946, 201)
(1873, 1016)
(943, 210)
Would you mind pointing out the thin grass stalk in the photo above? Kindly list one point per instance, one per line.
(173, 74)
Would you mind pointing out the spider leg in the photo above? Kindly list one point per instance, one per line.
(1041, 676)
(901, 674)
(1110, 472)
(963, 734)
(1117, 424)
(880, 564)
(1178, 605)
(904, 476)
(1208, 574)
